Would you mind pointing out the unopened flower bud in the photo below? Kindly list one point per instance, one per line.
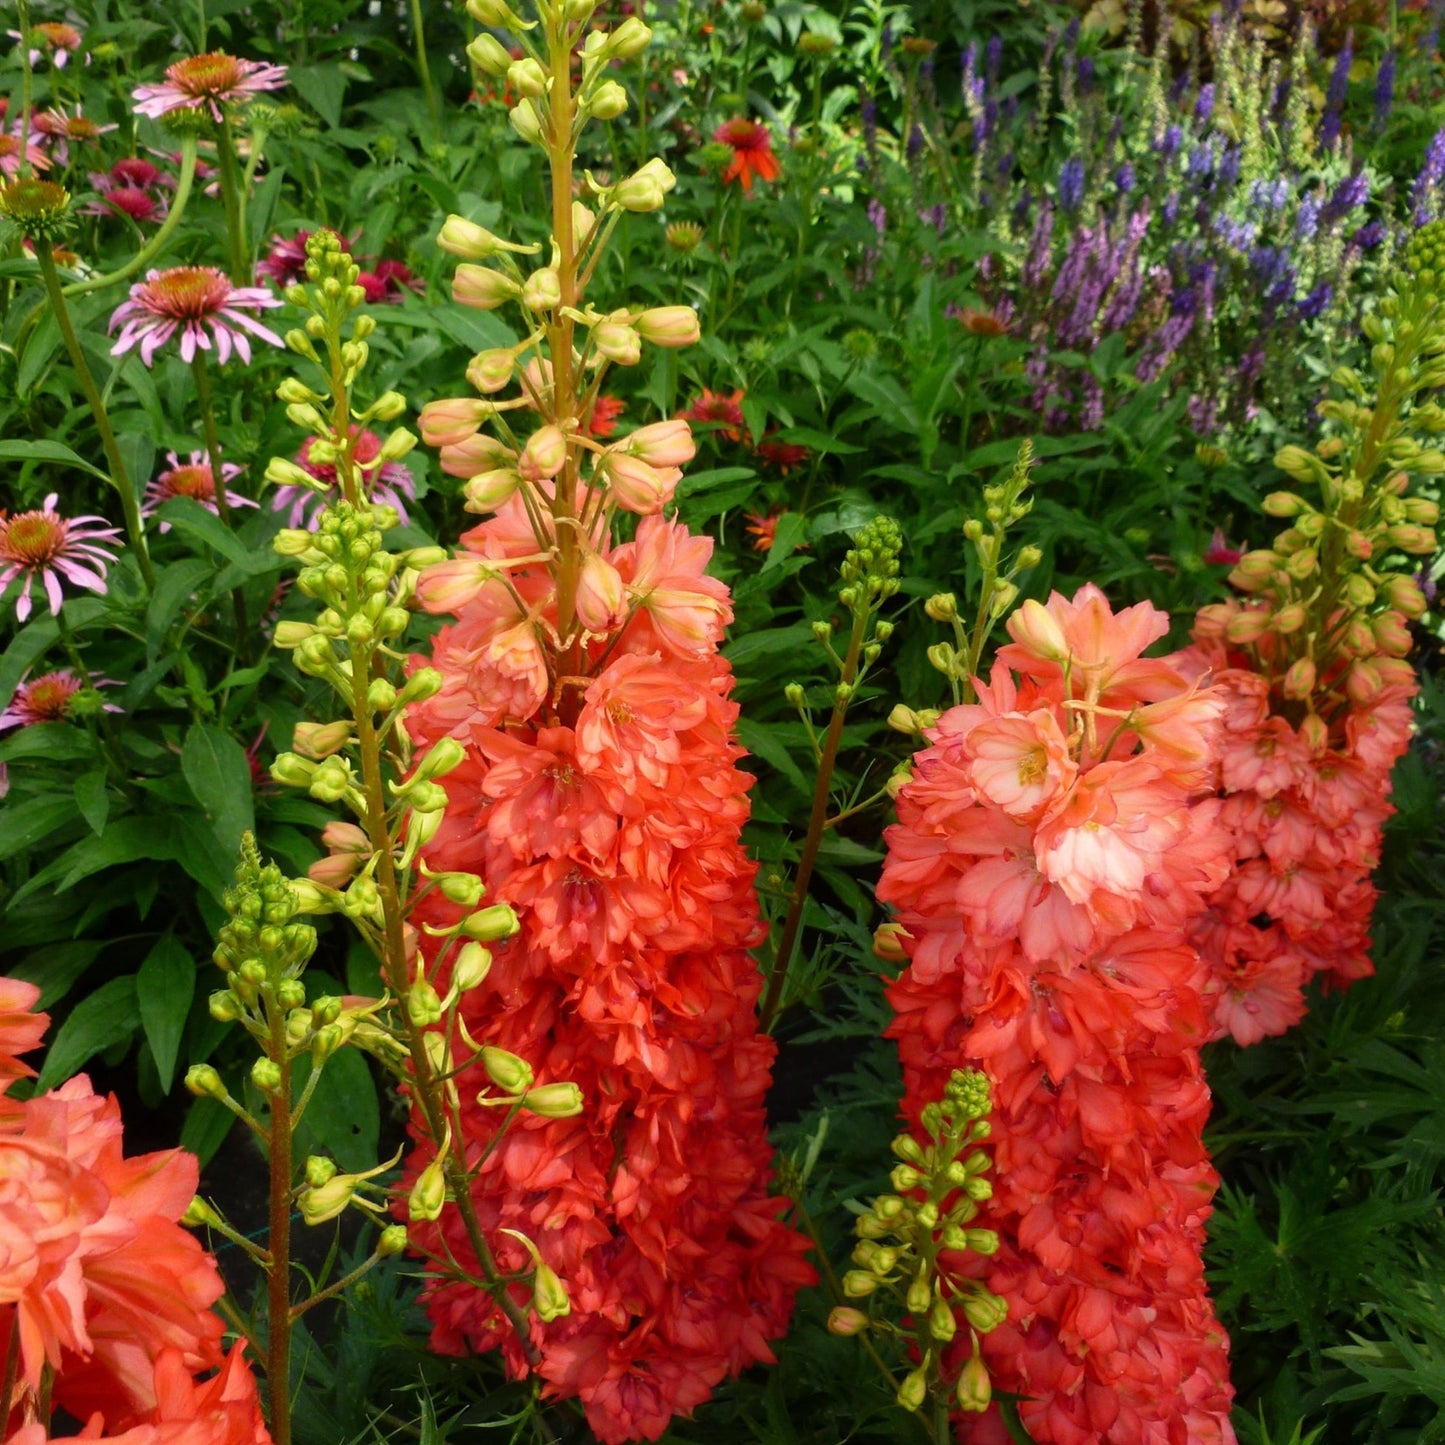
(320, 740)
(549, 1295)
(467, 239)
(490, 371)
(669, 326)
(319, 1170)
(429, 1194)
(554, 1101)
(859, 1284)
(526, 122)
(941, 1324)
(266, 1075)
(511, 1074)
(1284, 504)
(1299, 680)
(542, 290)
(608, 101)
(975, 1388)
(845, 1321)
(328, 1200)
(645, 189)
(984, 1311)
(914, 1390)
(617, 341)
(224, 1006)
(423, 1004)
(472, 966)
(942, 607)
(630, 38)
(483, 289)
(888, 943)
(203, 1080)
(488, 925)
(392, 1240)
(544, 455)
(527, 78)
(199, 1215)
(489, 55)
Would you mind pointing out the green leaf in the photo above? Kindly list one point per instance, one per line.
(138, 452)
(806, 436)
(322, 87)
(206, 1127)
(32, 821)
(193, 520)
(174, 588)
(55, 742)
(54, 970)
(126, 840)
(96, 1023)
(343, 1117)
(215, 766)
(46, 451)
(165, 986)
(92, 799)
(695, 482)
(792, 528)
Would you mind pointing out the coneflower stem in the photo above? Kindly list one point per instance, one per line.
(119, 476)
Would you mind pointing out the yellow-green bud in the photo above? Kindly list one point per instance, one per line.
(554, 1101)
(489, 55)
(941, 1324)
(914, 1390)
(512, 1075)
(845, 1321)
(423, 1004)
(428, 1194)
(542, 290)
(473, 965)
(941, 607)
(859, 1284)
(203, 1080)
(549, 1295)
(391, 1241)
(526, 122)
(266, 1075)
(490, 924)
(975, 1388)
(608, 101)
(320, 1170)
(629, 39)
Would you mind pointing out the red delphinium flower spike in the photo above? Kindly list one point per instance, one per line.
(1054, 846)
(612, 826)
(752, 152)
(47, 547)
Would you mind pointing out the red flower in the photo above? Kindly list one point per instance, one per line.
(783, 455)
(602, 419)
(725, 412)
(752, 152)
(1221, 552)
(385, 284)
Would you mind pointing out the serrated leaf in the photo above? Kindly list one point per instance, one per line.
(95, 1024)
(218, 772)
(92, 799)
(165, 986)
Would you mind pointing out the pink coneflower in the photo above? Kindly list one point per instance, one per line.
(62, 129)
(192, 479)
(134, 171)
(189, 299)
(11, 155)
(1221, 552)
(385, 284)
(46, 544)
(47, 699)
(126, 191)
(388, 485)
(60, 39)
(207, 80)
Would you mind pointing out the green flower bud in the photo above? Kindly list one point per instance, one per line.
(511, 1074)
(266, 1075)
(392, 1241)
(914, 1390)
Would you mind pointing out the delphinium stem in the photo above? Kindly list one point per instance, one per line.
(278, 1276)
(120, 477)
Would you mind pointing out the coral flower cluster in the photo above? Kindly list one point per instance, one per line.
(1305, 797)
(1055, 842)
(105, 1301)
(606, 810)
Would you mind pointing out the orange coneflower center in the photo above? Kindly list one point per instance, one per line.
(191, 481)
(204, 76)
(187, 293)
(58, 35)
(32, 539)
(47, 698)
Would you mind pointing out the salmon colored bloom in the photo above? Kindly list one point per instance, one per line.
(752, 152)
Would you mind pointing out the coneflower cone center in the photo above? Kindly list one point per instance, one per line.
(206, 75)
(32, 539)
(188, 293)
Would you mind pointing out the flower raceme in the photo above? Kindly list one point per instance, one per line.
(1054, 843)
(99, 1284)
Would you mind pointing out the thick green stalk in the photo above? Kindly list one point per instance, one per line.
(119, 476)
(817, 826)
(423, 68)
(426, 1087)
(235, 204)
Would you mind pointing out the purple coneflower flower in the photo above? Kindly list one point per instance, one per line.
(11, 157)
(46, 545)
(55, 36)
(388, 485)
(193, 479)
(189, 299)
(206, 81)
(47, 698)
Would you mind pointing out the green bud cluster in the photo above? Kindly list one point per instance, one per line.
(910, 1243)
(870, 570)
(1330, 600)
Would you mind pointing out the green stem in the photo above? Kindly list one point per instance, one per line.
(157, 243)
(427, 1091)
(364, 1268)
(278, 1275)
(26, 109)
(119, 476)
(108, 739)
(423, 68)
(817, 825)
(235, 204)
(205, 398)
